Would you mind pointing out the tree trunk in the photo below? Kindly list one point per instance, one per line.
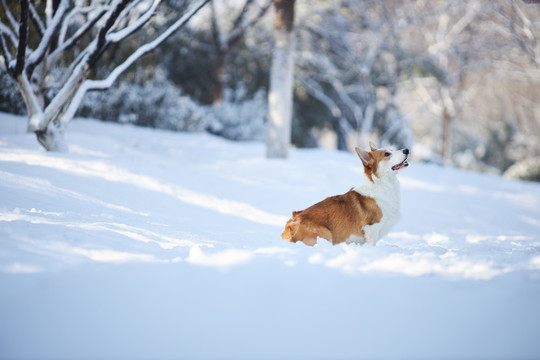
(280, 96)
(49, 124)
(33, 106)
(448, 112)
(446, 150)
(52, 138)
(221, 75)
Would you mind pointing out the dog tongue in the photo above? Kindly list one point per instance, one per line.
(400, 165)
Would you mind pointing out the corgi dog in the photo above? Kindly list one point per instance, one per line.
(365, 213)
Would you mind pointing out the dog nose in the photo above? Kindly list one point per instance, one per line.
(406, 151)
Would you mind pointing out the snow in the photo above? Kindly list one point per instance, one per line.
(142, 243)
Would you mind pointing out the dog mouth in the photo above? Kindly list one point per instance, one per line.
(401, 165)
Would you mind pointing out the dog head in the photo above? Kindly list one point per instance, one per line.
(381, 162)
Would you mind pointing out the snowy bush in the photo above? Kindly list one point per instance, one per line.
(156, 104)
(395, 128)
(11, 100)
(239, 118)
(528, 169)
(160, 104)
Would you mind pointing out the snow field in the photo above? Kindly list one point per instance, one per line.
(152, 244)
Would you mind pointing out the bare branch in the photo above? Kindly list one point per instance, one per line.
(315, 90)
(215, 27)
(240, 18)
(240, 27)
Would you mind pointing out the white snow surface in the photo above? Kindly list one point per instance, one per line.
(147, 244)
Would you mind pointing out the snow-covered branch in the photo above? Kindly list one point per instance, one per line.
(6, 31)
(110, 20)
(118, 36)
(66, 44)
(9, 16)
(146, 48)
(5, 52)
(36, 20)
(37, 55)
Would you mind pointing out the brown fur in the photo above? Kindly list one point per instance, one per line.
(335, 219)
(371, 160)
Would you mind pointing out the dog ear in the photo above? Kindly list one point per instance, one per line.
(372, 146)
(363, 155)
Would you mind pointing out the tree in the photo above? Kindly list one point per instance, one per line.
(72, 37)
(224, 40)
(451, 55)
(280, 95)
(473, 72)
(350, 61)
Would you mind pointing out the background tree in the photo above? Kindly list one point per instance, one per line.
(350, 61)
(280, 95)
(223, 40)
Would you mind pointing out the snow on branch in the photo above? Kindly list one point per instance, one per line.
(36, 56)
(66, 44)
(9, 16)
(127, 31)
(5, 52)
(146, 48)
(102, 44)
(6, 31)
(36, 20)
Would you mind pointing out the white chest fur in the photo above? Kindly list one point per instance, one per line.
(386, 193)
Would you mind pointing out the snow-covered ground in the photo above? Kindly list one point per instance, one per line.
(149, 244)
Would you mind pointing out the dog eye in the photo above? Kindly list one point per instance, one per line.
(387, 154)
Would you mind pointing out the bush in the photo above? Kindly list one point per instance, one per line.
(11, 100)
(528, 169)
(160, 104)
(156, 104)
(239, 118)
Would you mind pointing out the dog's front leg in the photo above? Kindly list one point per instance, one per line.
(310, 241)
(372, 233)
